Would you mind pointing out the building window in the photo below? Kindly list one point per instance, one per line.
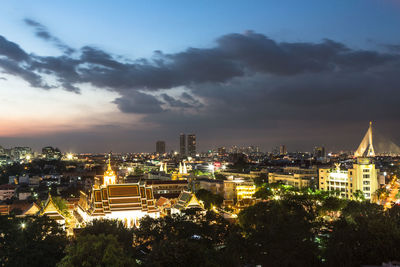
(351, 173)
(365, 170)
(366, 182)
(365, 175)
(366, 189)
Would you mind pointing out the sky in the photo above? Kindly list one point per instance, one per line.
(99, 76)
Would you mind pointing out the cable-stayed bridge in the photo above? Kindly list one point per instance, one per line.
(375, 144)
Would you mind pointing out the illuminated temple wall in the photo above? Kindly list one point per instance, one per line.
(126, 202)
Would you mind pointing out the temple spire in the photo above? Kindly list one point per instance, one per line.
(184, 168)
(180, 167)
(109, 176)
(109, 161)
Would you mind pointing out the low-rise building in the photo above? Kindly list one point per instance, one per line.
(295, 176)
(167, 188)
(212, 185)
(7, 191)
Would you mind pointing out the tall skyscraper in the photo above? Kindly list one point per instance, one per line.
(182, 145)
(319, 152)
(283, 150)
(160, 147)
(191, 142)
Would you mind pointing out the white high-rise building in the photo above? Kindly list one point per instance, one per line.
(363, 176)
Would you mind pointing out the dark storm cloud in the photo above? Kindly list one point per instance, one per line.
(175, 102)
(245, 79)
(137, 102)
(42, 32)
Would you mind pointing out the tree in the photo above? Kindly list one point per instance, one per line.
(381, 194)
(31, 241)
(359, 195)
(365, 234)
(220, 176)
(61, 205)
(96, 250)
(332, 206)
(209, 199)
(278, 233)
(191, 239)
(111, 227)
(261, 180)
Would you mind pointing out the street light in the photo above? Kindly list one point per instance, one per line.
(23, 225)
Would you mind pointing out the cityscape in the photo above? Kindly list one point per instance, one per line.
(138, 134)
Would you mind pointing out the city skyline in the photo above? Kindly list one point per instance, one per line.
(273, 77)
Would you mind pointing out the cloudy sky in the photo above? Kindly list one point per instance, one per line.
(118, 75)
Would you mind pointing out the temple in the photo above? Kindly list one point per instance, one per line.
(126, 202)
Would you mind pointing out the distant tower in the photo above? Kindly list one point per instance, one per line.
(182, 145)
(160, 147)
(191, 145)
(319, 152)
(366, 148)
(283, 150)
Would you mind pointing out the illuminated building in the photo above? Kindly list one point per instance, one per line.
(26, 208)
(51, 153)
(363, 176)
(167, 188)
(182, 173)
(52, 211)
(245, 190)
(125, 202)
(295, 176)
(186, 200)
(7, 191)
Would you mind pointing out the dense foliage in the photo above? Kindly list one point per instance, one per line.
(31, 241)
(209, 199)
(288, 227)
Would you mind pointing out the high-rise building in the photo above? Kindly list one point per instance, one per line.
(160, 147)
(319, 152)
(282, 150)
(191, 142)
(51, 153)
(182, 145)
(363, 177)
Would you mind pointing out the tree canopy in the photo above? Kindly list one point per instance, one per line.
(31, 241)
